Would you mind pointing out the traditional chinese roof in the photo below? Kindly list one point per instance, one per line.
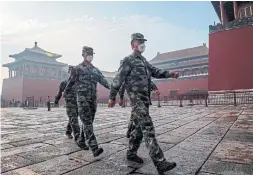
(18, 62)
(37, 55)
(181, 54)
(28, 52)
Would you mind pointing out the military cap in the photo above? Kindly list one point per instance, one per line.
(137, 36)
(87, 49)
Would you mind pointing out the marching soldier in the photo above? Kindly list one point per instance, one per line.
(136, 72)
(121, 95)
(72, 112)
(85, 76)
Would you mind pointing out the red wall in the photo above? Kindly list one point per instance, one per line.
(12, 89)
(231, 59)
(182, 85)
(164, 88)
(40, 88)
(102, 92)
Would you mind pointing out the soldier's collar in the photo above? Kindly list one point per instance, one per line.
(138, 56)
(88, 65)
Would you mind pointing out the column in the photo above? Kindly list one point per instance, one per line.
(235, 9)
(25, 71)
(60, 74)
(222, 11)
(21, 70)
(17, 72)
(9, 73)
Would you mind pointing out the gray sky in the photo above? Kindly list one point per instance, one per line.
(64, 27)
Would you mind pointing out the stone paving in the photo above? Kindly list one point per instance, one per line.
(201, 140)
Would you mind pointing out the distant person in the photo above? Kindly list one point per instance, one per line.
(48, 103)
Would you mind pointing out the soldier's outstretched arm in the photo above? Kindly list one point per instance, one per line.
(72, 79)
(153, 86)
(102, 80)
(122, 91)
(120, 78)
(158, 73)
(59, 93)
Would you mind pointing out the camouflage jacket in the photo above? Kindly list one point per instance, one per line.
(123, 88)
(85, 77)
(136, 72)
(70, 94)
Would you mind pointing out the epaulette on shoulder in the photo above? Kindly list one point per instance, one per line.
(127, 58)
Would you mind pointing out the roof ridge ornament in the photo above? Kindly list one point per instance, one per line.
(36, 44)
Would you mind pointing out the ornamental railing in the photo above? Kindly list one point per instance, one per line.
(234, 98)
(196, 98)
(244, 22)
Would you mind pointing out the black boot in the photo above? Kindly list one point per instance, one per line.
(165, 166)
(82, 144)
(69, 135)
(128, 134)
(97, 152)
(130, 128)
(135, 159)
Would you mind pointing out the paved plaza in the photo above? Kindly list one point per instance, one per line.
(201, 140)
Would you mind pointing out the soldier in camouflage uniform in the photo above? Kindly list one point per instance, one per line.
(136, 72)
(72, 112)
(85, 76)
(121, 96)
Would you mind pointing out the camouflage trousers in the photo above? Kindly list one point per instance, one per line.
(144, 128)
(130, 125)
(69, 131)
(87, 109)
(69, 128)
(73, 125)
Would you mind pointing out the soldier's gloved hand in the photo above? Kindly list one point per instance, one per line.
(64, 94)
(120, 102)
(174, 74)
(56, 102)
(111, 103)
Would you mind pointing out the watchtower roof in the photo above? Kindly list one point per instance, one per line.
(35, 55)
(180, 54)
(37, 51)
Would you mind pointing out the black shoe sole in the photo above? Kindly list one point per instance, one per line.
(82, 146)
(133, 164)
(85, 147)
(100, 151)
(168, 169)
